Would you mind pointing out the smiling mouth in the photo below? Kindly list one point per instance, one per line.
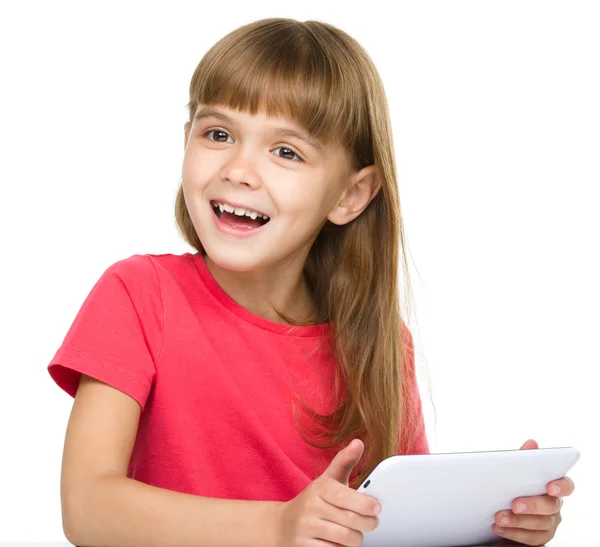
(238, 220)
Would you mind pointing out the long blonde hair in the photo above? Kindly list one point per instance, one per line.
(321, 78)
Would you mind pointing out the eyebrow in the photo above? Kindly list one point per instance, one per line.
(279, 131)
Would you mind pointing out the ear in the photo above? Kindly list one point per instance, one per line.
(363, 187)
(186, 129)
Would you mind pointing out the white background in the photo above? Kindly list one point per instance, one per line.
(496, 120)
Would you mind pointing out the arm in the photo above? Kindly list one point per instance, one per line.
(102, 506)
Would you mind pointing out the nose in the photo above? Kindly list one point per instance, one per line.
(239, 170)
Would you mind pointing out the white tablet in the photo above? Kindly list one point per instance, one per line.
(450, 500)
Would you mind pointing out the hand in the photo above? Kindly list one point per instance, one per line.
(329, 512)
(537, 523)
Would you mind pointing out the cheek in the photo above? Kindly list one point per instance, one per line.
(300, 195)
(305, 211)
(194, 178)
(293, 202)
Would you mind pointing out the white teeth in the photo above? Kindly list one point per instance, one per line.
(239, 211)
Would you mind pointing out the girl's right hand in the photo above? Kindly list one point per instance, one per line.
(328, 512)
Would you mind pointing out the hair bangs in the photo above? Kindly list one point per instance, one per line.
(285, 73)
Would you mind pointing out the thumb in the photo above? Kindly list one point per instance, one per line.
(343, 462)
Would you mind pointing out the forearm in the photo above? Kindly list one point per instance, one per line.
(123, 512)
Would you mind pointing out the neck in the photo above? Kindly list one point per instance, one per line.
(285, 286)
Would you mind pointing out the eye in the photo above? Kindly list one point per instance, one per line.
(215, 131)
(287, 149)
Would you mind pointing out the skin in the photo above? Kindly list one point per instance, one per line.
(248, 164)
(537, 524)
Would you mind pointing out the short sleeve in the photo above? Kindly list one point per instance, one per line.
(116, 335)
(413, 441)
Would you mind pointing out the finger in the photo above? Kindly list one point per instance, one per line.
(344, 461)
(566, 487)
(336, 533)
(529, 444)
(528, 537)
(344, 497)
(349, 519)
(537, 505)
(507, 519)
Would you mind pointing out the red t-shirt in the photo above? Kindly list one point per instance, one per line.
(214, 381)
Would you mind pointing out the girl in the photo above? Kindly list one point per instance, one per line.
(218, 393)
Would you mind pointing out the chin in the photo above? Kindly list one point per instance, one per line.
(232, 261)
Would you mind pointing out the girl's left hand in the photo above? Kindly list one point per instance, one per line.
(536, 523)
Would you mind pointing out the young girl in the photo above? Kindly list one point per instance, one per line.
(217, 393)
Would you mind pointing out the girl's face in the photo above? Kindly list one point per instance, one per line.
(263, 164)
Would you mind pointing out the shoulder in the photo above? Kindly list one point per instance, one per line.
(407, 355)
(148, 267)
(145, 270)
(404, 330)
(133, 280)
(135, 268)
(406, 338)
